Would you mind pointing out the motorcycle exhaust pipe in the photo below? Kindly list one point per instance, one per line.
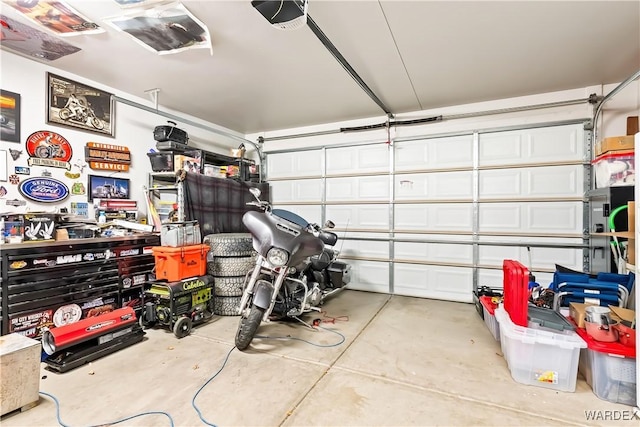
(56, 339)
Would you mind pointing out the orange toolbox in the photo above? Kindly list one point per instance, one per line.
(177, 263)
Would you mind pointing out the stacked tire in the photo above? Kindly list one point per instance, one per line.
(231, 257)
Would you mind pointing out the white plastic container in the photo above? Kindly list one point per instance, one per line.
(540, 358)
(615, 169)
(489, 317)
(610, 369)
(612, 377)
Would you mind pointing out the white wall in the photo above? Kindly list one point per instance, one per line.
(133, 129)
(613, 118)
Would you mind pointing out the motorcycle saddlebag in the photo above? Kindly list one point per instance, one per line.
(170, 133)
(339, 274)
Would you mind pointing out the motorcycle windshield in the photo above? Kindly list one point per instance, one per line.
(291, 217)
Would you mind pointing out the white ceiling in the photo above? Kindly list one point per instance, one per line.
(413, 54)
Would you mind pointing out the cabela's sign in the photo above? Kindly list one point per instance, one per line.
(107, 156)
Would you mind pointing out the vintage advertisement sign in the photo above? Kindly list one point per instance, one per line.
(44, 190)
(47, 148)
(107, 156)
(31, 325)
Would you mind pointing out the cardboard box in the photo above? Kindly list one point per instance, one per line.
(614, 143)
(577, 313)
(188, 163)
(632, 125)
(618, 314)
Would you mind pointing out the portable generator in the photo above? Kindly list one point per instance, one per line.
(178, 305)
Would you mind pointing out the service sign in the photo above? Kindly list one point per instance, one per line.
(47, 148)
(107, 156)
(44, 190)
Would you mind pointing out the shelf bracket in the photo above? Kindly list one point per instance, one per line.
(153, 94)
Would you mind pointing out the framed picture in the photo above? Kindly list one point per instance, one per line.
(9, 116)
(106, 187)
(79, 106)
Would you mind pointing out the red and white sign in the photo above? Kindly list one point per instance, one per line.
(47, 148)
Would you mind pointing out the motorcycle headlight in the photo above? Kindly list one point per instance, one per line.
(277, 257)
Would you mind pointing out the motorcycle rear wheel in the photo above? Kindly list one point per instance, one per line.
(64, 114)
(248, 327)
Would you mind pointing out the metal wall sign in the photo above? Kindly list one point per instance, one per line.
(44, 190)
(107, 156)
(47, 148)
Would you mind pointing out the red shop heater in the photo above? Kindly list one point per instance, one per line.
(75, 344)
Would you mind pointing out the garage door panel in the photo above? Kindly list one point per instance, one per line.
(366, 158)
(442, 185)
(434, 217)
(556, 181)
(540, 257)
(432, 281)
(490, 278)
(531, 217)
(500, 183)
(435, 153)
(363, 248)
(304, 190)
(302, 163)
(369, 276)
(550, 181)
(551, 144)
(368, 188)
(434, 252)
(359, 216)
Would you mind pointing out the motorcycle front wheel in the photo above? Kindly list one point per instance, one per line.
(97, 123)
(248, 327)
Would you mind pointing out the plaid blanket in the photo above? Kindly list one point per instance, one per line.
(218, 204)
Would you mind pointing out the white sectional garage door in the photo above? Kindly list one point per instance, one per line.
(435, 216)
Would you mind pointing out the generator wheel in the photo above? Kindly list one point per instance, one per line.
(229, 267)
(226, 306)
(230, 244)
(229, 286)
(182, 327)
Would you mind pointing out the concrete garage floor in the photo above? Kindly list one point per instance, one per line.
(405, 361)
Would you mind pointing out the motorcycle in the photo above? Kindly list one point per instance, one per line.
(82, 114)
(295, 271)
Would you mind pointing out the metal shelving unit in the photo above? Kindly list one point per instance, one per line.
(165, 189)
